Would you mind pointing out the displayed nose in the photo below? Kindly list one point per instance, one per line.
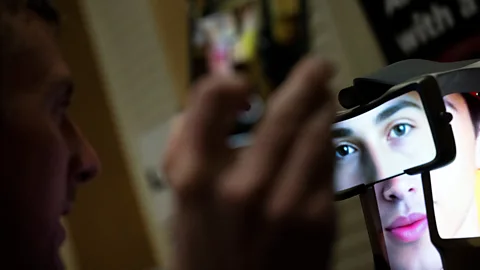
(398, 188)
(380, 159)
(386, 164)
(86, 164)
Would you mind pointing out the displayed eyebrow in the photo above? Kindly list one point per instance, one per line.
(341, 132)
(390, 111)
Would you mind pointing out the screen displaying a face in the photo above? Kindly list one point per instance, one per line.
(455, 187)
(382, 143)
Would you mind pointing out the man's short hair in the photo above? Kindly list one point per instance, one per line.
(43, 8)
(9, 45)
(9, 8)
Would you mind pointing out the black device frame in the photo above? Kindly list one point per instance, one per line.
(373, 223)
(463, 80)
(439, 121)
(455, 253)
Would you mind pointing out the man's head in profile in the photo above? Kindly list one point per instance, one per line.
(43, 156)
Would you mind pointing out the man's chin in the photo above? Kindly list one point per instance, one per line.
(59, 263)
(60, 237)
(60, 234)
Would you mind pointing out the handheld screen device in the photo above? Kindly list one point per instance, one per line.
(433, 225)
(262, 39)
(404, 131)
(452, 193)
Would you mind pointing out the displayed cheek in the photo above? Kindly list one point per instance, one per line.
(441, 184)
(454, 182)
(410, 147)
(442, 198)
(427, 145)
(452, 195)
(347, 176)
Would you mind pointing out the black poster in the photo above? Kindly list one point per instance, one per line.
(440, 30)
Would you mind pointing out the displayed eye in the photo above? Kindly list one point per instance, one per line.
(400, 130)
(344, 150)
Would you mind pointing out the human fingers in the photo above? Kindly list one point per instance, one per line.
(297, 99)
(199, 145)
(308, 171)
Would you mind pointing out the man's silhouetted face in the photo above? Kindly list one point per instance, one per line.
(43, 157)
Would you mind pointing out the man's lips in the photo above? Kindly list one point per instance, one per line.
(60, 234)
(70, 198)
(408, 229)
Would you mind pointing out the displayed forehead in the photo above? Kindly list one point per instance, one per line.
(411, 99)
(34, 57)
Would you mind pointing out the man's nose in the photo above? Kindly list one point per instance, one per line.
(398, 188)
(87, 164)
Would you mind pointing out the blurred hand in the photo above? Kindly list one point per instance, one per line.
(270, 206)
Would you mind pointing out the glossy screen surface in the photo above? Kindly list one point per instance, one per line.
(382, 143)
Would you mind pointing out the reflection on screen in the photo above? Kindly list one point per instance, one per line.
(382, 142)
(227, 39)
(225, 42)
(455, 186)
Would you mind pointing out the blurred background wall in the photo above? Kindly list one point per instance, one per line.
(129, 60)
(341, 33)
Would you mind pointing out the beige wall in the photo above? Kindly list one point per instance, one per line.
(361, 56)
(116, 50)
(172, 28)
(141, 69)
(68, 251)
(361, 49)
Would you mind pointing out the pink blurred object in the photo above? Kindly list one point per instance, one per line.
(220, 60)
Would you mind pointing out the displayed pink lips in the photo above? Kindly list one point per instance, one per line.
(408, 229)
